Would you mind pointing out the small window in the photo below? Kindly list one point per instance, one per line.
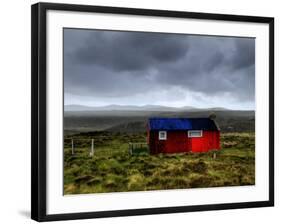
(162, 135)
(194, 134)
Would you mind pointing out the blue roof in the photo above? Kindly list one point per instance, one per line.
(166, 124)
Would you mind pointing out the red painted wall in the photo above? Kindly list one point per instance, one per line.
(210, 140)
(178, 141)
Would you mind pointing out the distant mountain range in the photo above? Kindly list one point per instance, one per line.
(131, 121)
(114, 107)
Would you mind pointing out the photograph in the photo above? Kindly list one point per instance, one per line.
(147, 111)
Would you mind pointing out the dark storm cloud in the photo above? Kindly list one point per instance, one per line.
(243, 54)
(120, 64)
(130, 51)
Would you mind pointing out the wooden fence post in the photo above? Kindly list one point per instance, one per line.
(214, 155)
(92, 148)
(72, 147)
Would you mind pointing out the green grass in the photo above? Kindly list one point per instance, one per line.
(113, 169)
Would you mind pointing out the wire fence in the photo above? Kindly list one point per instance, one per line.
(79, 146)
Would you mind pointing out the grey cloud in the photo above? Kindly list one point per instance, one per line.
(120, 64)
(243, 54)
(130, 50)
(214, 61)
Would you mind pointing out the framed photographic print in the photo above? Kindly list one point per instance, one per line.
(139, 111)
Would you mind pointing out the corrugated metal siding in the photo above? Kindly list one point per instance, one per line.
(207, 142)
(181, 124)
(178, 141)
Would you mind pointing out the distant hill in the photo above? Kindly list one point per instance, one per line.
(114, 107)
(134, 121)
(132, 127)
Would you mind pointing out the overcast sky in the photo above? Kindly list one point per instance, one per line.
(137, 68)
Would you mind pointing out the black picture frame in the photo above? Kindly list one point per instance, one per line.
(38, 108)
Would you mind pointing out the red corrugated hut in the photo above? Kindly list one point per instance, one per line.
(174, 135)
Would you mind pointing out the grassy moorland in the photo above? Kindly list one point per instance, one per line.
(113, 169)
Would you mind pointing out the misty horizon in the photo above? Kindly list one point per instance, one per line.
(147, 107)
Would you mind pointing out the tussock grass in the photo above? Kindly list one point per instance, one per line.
(118, 171)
